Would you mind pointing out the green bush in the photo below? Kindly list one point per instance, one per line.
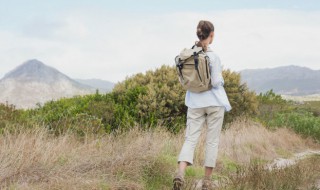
(157, 97)
(277, 112)
(242, 100)
(270, 104)
(153, 98)
(9, 116)
(82, 114)
(300, 121)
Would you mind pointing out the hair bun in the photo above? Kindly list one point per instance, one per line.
(200, 33)
(204, 29)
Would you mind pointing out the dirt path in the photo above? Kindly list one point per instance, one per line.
(283, 163)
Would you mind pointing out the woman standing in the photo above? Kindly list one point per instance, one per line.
(204, 107)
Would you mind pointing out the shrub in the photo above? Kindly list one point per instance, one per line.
(300, 121)
(82, 114)
(153, 98)
(10, 115)
(158, 97)
(242, 100)
(270, 104)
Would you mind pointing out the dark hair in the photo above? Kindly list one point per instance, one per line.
(204, 29)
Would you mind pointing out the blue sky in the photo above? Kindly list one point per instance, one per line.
(18, 10)
(114, 39)
(20, 7)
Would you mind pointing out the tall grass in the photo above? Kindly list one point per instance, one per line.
(135, 159)
(303, 175)
(35, 159)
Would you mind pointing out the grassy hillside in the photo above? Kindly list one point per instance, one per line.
(146, 159)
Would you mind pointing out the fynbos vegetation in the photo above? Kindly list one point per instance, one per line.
(129, 139)
(149, 100)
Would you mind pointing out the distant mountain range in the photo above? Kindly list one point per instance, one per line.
(286, 80)
(102, 85)
(34, 82)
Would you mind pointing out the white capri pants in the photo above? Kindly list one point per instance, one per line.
(196, 117)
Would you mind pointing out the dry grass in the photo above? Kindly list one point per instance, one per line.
(34, 159)
(245, 141)
(305, 174)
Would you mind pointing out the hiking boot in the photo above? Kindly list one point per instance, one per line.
(178, 182)
(207, 184)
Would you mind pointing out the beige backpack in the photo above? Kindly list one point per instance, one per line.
(193, 69)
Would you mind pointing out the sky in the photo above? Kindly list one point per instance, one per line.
(111, 40)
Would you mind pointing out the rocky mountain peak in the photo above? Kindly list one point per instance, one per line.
(34, 82)
(35, 70)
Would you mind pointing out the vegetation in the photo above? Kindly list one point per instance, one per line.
(302, 118)
(158, 98)
(155, 98)
(129, 139)
(146, 159)
(9, 115)
(310, 106)
(302, 122)
(255, 176)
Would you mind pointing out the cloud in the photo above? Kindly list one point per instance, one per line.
(111, 46)
(269, 38)
(61, 28)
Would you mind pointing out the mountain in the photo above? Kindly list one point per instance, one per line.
(102, 85)
(286, 80)
(34, 82)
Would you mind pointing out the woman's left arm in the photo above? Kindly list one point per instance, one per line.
(216, 72)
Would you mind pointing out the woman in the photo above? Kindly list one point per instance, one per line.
(209, 107)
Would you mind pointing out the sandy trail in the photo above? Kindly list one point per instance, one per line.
(283, 163)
